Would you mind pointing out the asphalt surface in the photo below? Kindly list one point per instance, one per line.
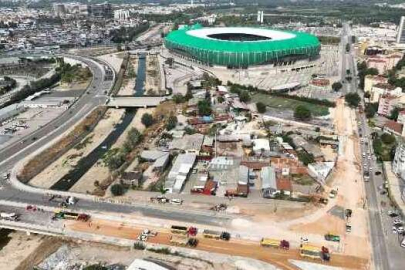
(387, 253)
(93, 97)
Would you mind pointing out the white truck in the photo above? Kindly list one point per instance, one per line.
(9, 216)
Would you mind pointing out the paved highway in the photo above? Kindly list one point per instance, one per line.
(387, 253)
(93, 97)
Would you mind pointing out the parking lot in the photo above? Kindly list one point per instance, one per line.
(25, 123)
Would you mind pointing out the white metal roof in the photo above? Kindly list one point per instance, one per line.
(272, 34)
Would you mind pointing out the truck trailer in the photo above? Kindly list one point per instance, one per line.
(217, 235)
(266, 242)
(181, 240)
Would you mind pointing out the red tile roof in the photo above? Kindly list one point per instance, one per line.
(283, 183)
(394, 126)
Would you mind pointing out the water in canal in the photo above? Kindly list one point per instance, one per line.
(139, 88)
(69, 179)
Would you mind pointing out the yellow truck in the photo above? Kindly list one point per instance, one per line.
(267, 242)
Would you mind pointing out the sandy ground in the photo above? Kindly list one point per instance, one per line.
(330, 154)
(65, 163)
(152, 83)
(18, 249)
(113, 59)
(347, 179)
(92, 253)
(99, 172)
(21, 252)
(350, 184)
(73, 86)
(127, 88)
(235, 247)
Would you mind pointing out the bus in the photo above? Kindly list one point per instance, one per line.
(314, 252)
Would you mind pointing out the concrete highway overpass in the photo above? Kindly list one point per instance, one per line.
(135, 102)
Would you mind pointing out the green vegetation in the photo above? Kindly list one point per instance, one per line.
(387, 138)
(384, 146)
(115, 157)
(95, 267)
(303, 179)
(32, 88)
(261, 107)
(347, 47)
(363, 71)
(178, 98)
(139, 246)
(394, 114)
(165, 251)
(327, 40)
(302, 113)
(244, 96)
(352, 99)
(127, 34)
(204, 107)
(4, 238)
(117, 190)
(210, 81)
(337, 86)
(84, 143)
(305, 158)
(10, 83)
(371, 109)
(171, 122)
(285, 102)
(134, 137)
(147, 119)
(73, 73)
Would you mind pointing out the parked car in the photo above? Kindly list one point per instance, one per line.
(304, 240)
(332, 193)
(176, 201)
(397, 221)
(392, 213)
(398, 229)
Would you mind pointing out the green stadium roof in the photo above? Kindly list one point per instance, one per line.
(196, 41)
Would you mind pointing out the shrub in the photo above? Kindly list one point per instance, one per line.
(171, 122)
(117, 190)
(302, 113)
(139, 246)
(387, 138)
(352, 99)
(261, 107)
(147, 119)
(178, 98)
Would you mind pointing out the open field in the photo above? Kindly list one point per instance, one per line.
(62, 165)
(285, 103)
(236, 247)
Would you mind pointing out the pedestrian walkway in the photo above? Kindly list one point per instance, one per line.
(396, 187)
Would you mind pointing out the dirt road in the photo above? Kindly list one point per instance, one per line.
(236, 247)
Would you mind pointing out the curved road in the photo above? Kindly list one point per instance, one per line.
(93, 97)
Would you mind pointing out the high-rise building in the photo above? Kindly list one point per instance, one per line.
(401, 31)
(121, 15)
(59, 10)
(101, 10)
(398, 164)
(260, 16)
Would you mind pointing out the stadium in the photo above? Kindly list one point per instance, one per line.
(241, 47)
